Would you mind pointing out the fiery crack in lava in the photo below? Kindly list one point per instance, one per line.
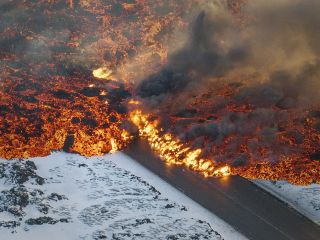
(90, 76)
(245, 137)
(83, 119)
(49, 99)
(171, 150)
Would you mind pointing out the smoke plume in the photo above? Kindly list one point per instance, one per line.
(270, 66)
(277, 50)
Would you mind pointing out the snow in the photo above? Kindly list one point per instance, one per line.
(305, 199)
(110, 197)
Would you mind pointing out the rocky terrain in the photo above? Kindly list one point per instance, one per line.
(65, 196)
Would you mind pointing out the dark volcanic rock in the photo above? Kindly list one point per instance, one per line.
(61, 94)
(41, 221)
(110, 201)
(315, 156)
(89, 122)
(20, 172)
(90, 92)
(315, 114)
(43, 208)
(187, 113)
(56, 197)
(9, 224)
(240, 161)
(286, 103)
(14, 200)
(68, 143)
(142, 221)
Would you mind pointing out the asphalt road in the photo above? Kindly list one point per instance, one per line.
(249, 209)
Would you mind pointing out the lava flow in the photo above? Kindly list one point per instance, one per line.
(74, 115)
(257, 143)
(172, 151)
(49, 98)
(220, 87)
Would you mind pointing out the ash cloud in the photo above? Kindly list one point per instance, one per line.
(277, 52)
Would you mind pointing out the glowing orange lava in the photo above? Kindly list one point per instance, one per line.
(172, 151)
(67, 83)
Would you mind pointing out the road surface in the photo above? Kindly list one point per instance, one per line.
(249, 209)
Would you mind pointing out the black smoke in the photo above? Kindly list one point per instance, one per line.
(272, 62)
(277, 50)
(200, 58)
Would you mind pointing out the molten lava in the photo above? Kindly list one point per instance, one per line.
(257, 143)
(103, 73)
(74, 115)
(55, 96)
(48, 97)
(172, 151)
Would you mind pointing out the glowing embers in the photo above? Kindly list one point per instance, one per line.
(70, 113)
(172, 151)
(134, 102)
(103, 73)
(258, 139)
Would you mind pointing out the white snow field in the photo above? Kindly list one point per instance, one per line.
(305, 199)
(67, 196)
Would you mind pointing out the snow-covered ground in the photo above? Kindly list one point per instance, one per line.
(66, 196)
(305, 199)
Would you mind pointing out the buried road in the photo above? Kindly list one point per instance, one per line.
(242, 204)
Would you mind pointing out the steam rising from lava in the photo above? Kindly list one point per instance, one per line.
(240, 95)
(172, 151)
(278, 49)
(247, 95)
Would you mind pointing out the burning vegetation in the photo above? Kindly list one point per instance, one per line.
(239, 96)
